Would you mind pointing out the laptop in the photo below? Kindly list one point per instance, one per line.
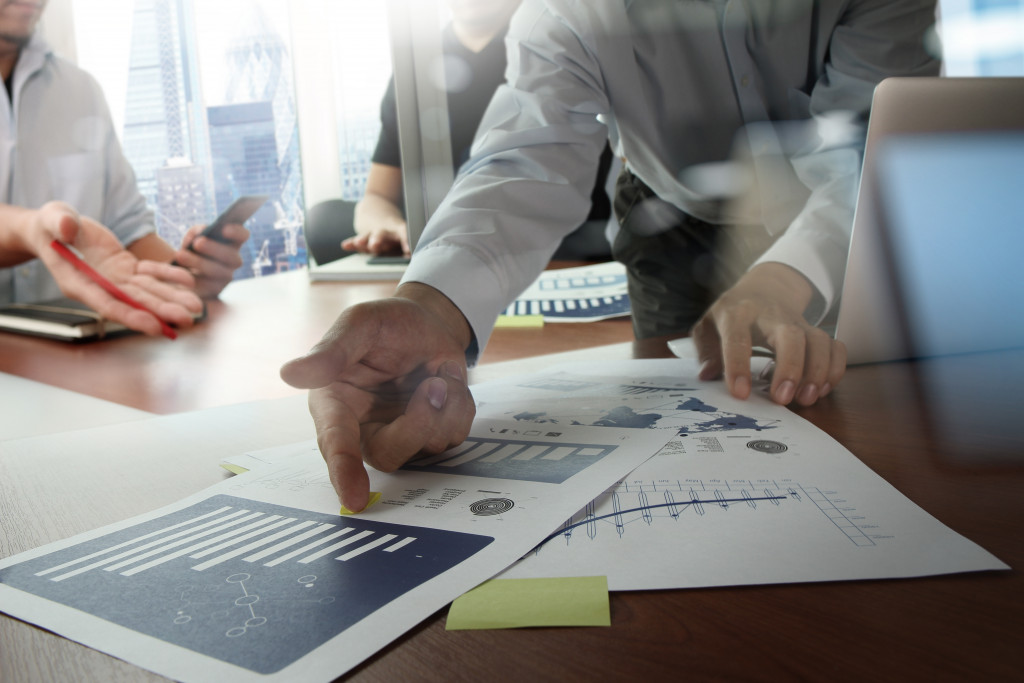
(939, 223)
(359, 267)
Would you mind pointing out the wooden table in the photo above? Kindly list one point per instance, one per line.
(946, 432)
(234, 354)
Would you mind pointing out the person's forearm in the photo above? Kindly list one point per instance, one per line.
(152, 247)
(374, 212)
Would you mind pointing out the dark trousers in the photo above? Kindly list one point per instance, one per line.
(677, 265)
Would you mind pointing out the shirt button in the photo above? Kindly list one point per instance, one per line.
(745, 81)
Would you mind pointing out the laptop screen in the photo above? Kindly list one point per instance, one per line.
(954, 226)
(873, 319)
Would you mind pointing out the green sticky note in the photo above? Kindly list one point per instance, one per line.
(233, 469)
(517, 603)
(374, 497)
(520, 321)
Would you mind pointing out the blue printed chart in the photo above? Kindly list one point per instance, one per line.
(259, 578)
(745, 492)
(583, 294)
(564, 398)
(634, 504)
(248, 583)
(519, 459)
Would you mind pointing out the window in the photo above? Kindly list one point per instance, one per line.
(361, 67)
(982, 37)
(204, 98)
(218, 99)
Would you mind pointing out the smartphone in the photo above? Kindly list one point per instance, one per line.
(240, 211)
(383, 260)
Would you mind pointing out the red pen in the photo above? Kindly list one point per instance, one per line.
(111, 289)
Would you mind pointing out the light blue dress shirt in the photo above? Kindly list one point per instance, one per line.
(57, 142)
(671, 83)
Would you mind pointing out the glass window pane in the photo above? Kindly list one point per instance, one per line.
(982, 37)
(361, 63)
(209, 115)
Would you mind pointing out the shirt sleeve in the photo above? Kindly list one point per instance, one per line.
(874, 40)
(124, 211)
(529, 178)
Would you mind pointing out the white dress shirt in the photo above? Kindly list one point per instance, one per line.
(57, 142)
(671, 83)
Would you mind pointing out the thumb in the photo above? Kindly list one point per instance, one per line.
(67, 228)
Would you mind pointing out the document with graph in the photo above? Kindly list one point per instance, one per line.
(575, 295)
(746, 492)
(260, 578)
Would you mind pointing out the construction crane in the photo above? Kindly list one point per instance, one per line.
(262, 259)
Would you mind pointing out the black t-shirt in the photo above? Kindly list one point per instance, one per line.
(478, 74)
(466, 105)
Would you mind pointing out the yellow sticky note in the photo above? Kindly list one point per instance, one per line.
(233, 469)
(517, 603)
(374, 497)
(520, 321)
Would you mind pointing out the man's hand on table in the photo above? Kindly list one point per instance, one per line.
(765, 308)
(387, 382)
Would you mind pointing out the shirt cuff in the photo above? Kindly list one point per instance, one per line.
(809, 259)
(467, 281)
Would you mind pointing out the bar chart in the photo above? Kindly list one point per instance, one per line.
(246, 582)
(521, 459)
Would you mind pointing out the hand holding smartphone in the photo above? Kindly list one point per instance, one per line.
(239, 212)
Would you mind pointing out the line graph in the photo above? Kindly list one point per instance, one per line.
(656, 502)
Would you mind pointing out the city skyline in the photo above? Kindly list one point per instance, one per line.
(192, 159)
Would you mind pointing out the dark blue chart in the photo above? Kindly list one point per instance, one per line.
(571, 309)
(511, 458)
(249, 583)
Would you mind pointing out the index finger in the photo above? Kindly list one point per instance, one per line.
(338, 437)
(235, 234)
(219, 255)
(737, 347)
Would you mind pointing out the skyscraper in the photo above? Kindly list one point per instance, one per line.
(182, 199)
(260, 70)
(247, 145)
(243, 145)
(164, 117)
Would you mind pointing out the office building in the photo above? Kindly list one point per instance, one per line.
(247, 143)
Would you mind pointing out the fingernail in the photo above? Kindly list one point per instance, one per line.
(784, 394)
(346, 510)
(809, 394)
(826, 389)
(741, 386)
(437, 391)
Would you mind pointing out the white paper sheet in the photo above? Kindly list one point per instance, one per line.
(749, 493)
(259, 578)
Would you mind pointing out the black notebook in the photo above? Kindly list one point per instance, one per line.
(64, 319)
